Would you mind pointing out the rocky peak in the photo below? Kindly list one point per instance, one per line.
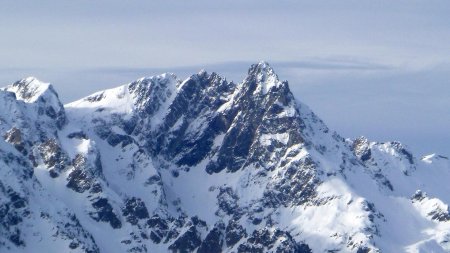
(361, 148)
(32, 91)
(262, 77)
(150, 93)
(400, 151)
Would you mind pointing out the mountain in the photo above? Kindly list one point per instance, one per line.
(206, 165)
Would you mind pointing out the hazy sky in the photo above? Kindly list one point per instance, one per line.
(374, 68)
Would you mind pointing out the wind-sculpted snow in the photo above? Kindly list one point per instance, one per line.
(206, 165)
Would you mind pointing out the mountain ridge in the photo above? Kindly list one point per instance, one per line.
(207, 165)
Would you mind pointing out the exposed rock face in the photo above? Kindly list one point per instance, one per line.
(135, 210)
(14, 136)
(361, 149)
(204, 165)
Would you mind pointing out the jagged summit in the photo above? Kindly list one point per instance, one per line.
(263, 75)
(141, 94)
(30, 89)
(40, 96)
(206, 165)
(261, 67)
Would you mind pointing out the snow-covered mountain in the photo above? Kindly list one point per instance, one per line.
(206, 165)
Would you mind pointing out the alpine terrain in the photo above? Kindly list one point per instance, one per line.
(206, 165)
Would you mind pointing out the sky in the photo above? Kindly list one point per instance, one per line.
(375, 68)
